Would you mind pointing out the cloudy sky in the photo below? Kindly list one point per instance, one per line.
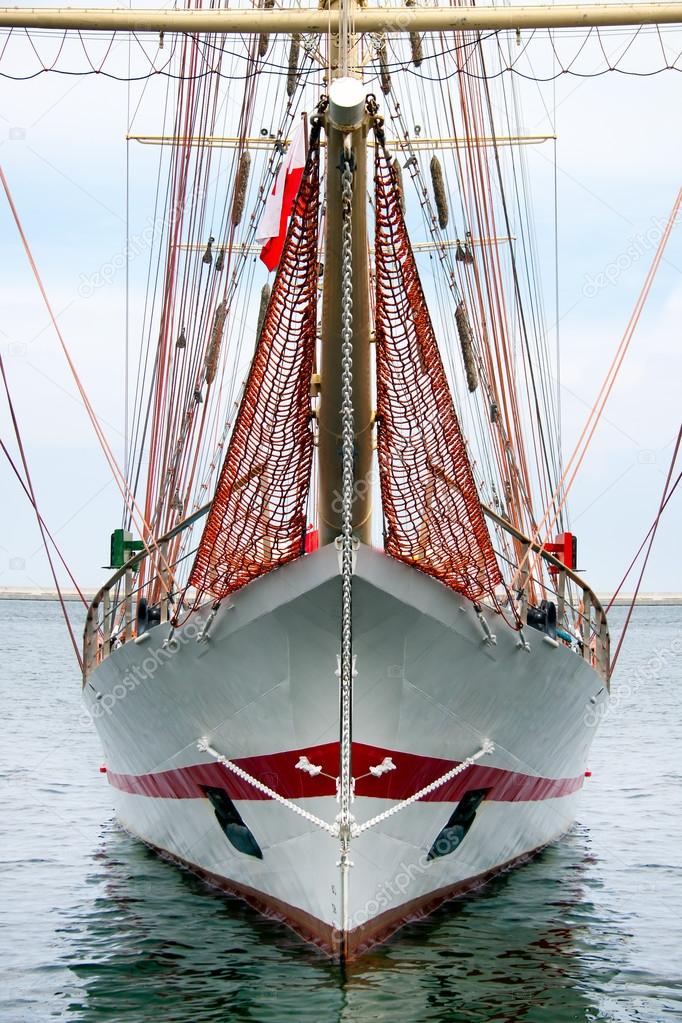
(619, 158)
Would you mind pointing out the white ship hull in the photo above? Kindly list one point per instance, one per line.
(429, 691)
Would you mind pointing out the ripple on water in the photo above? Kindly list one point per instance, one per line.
(100, 930)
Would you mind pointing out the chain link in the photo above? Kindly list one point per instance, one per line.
(347, 447)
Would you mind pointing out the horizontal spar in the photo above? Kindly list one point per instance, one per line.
(445, 243)
(368, 19)
(268, 142)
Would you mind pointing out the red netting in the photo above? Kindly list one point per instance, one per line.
(257, 520)
(433, 514)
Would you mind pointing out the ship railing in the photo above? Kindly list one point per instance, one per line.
(110, 620)
(584, 620)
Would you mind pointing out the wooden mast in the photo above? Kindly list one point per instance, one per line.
(329, 421)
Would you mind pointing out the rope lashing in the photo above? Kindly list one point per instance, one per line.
(205, 747)
(292, 73)
(400, 185)
(486, 748)
(207, 257)
(240, 188)
(384, 73)
(415, 41)
(439, 193)
(466, 341)
(264, 38)
(216, 340)
(262, 309)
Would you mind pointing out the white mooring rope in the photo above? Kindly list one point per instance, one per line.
(334, 829)
(486, 748)
(331, 829)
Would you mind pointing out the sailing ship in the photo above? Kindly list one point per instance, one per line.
(345, 667)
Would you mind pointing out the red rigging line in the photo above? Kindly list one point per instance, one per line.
(258, 517)
(44, 532)
(560, 495)
(434, 519)
(121, 482)
(182, 392)
(668, 491)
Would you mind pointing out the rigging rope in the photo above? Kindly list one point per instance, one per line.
(487, 747)
(257, 521)
(580, 450)
(119, 478)
(433, 514)
(641, 546)
(59, 554)
(667, 494)
(39, 518)
(160, 63)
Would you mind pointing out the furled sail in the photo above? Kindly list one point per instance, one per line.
(257, 520)
(433, 514)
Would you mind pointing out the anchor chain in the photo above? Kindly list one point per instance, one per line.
(347, 447)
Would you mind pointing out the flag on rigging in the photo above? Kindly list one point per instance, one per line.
(279, 206)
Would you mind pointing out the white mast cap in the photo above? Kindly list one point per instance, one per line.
(347, 103)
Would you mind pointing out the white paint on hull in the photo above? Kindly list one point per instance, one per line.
(427, 684)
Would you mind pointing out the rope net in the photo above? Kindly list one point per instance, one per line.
(433, 514)
(257, 520)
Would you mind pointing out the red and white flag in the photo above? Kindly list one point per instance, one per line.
(279, 206)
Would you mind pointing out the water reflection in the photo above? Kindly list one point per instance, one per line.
(592, 930)
(158, 944)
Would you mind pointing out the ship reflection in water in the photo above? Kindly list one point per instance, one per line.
(101, 931)
(157, 945)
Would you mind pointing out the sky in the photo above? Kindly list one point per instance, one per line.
(619, 169)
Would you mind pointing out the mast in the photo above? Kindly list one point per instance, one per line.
(329, 421)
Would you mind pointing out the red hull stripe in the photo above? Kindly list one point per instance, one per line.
(278, 771)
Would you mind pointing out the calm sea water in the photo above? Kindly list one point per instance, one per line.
(97, 929)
